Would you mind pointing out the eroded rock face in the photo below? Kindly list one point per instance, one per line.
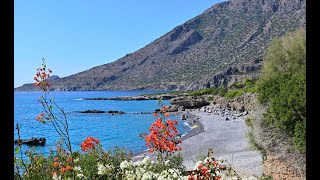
(242, 104)
(189, 102)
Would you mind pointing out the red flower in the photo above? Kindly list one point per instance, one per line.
(89, 143)
(63, 170)
(68, 168)
(69, 159)
(162, 136)
(166, 114)
(55, 164)
(39, 116)
(155, 114)
(56, 159)
(54, 173)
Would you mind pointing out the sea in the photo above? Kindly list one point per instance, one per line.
(121, 130)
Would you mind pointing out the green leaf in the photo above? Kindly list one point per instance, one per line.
(16, 150)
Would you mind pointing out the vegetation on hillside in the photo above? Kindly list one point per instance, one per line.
(232, 91)
(282, 86)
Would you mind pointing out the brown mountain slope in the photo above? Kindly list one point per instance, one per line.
(227, 39)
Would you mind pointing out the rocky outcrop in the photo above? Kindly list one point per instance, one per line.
(189, 102)
(173, 108)
(92, 111)
(136, 98)
(233, 72)
(32, 141)
(115, 112)
(243, 103)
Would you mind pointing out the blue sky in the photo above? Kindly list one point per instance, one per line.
(76, 35)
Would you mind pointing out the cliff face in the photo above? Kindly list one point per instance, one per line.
(199, 53)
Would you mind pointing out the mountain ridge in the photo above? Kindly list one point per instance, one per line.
(216, 47)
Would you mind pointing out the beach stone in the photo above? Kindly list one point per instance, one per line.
(181, 108)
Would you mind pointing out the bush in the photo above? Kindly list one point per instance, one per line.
(222, 90)
(231, 94)
(248, 122)
(202, 92)
(282, 86)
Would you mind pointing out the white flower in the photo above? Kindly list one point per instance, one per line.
(77, 168)
(125, 164)
(103, 169)
(80, 176)
(76, 160)
(56, 177)
(147, 176)
(146, 160)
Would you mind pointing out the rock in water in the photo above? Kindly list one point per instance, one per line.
(92, 111)
(32, 141)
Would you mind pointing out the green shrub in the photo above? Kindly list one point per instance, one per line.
(202, 92)
(210, 98)
(239, 85)
(282, 86)
(230, 94)
(300, 136)
(250, 89)
(222, 90)
(233, 93)
(248, 122)
(239, 93)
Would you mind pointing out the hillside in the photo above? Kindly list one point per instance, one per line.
(225, 41)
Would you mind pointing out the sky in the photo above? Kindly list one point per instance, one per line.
(76, 35)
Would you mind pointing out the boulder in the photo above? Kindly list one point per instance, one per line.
(181, 108)
(173, 108)
(189, 102)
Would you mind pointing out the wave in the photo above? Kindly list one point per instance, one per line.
(79, 99)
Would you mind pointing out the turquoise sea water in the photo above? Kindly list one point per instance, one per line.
(111, 130)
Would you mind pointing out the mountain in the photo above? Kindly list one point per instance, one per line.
(224, 42)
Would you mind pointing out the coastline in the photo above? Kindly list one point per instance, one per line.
(191, 120)
(227, 139)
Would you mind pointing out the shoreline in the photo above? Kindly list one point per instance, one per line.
(191, 120)
(227, 138)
